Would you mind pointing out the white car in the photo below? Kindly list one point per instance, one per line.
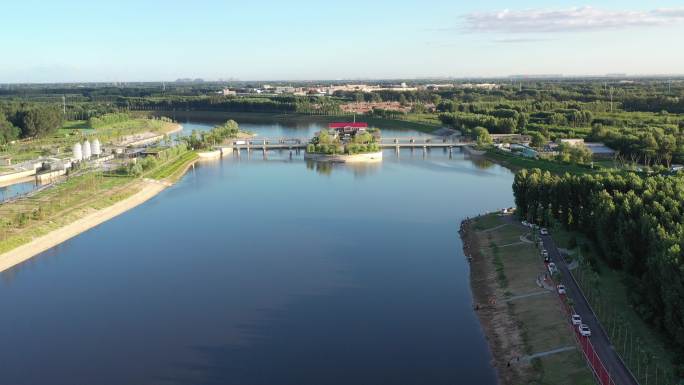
(552, 267)
(584, 330)
(561, 289)
(544, 253)
(576, 319)
(544, 231)
(525, 223)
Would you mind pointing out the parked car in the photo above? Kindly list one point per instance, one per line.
(547, 259)
(584, 330)
(544, 231)
(561, 289)
(525, 223)
(552, 268)
(576, 319)
(545, 253)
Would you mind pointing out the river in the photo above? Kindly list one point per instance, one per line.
(265, 270)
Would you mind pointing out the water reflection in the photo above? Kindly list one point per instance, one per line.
(480, 162)
(358, 169)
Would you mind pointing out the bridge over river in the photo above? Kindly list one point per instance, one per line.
(300, 143)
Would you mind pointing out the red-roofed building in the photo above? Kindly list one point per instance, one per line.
(345, 130)
(336, 125)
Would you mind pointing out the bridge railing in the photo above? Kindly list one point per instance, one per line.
(256, 142)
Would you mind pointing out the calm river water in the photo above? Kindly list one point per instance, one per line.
(264, 271)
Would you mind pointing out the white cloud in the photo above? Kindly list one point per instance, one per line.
(569, 20)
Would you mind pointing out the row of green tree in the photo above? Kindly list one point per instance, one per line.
(647, 145)
(637, 224)
(28, 121)
(330, 143)
(217, 135)
(503, 122)
(272, 104)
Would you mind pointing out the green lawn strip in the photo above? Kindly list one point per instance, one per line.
(487, 221)
(542, 318)
(565, 368)
(522, 265)
(173, 167)
(507, 235)
(516, 162)
(543, 322)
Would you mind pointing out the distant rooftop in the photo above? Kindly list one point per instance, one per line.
(347, 124)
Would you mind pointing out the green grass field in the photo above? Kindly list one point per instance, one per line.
(515, 163)
(173, 169)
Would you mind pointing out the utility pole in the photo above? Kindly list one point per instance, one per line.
(64, 104)
(611, 99)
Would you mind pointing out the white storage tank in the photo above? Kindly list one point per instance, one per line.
(86, 150)
(78, 153)
(95, 148)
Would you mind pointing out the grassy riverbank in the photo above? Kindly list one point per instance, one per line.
(30, 225)
(519, 317)
(515, 163)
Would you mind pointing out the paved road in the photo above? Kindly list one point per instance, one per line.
(601, 342)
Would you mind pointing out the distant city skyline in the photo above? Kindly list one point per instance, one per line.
(126, 41)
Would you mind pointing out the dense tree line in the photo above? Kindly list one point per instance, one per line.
(275, 104)
(654, 103)
(647, 145)
(28, 120)
(637, 224)
(502, 124)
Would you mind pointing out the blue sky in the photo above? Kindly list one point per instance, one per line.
(60, 40)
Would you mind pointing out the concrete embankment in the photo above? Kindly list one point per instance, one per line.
(15, 177)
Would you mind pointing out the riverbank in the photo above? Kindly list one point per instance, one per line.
(54, 238)
(528, 334)
(107, 198)
(503, 334)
